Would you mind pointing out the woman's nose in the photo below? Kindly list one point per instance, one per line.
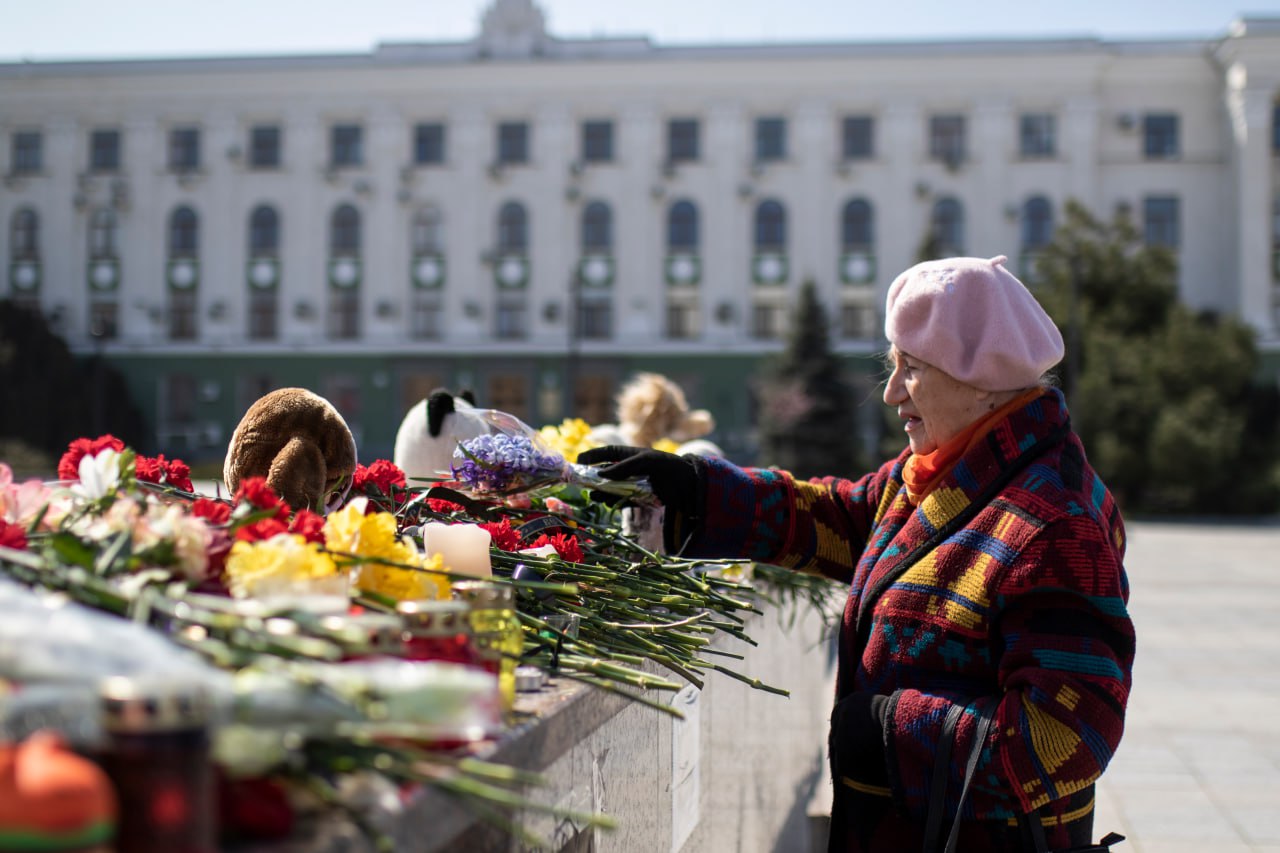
(894, 392)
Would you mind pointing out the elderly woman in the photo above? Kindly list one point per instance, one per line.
(986, 649)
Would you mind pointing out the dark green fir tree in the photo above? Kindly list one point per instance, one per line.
(1168, 400)
(808, 422)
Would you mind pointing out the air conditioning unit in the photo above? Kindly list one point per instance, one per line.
(234, 153)
(495, 170)
(577, 167)
(1126, 122)
(362, 187)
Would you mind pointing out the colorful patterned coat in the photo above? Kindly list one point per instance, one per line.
(1003, 590)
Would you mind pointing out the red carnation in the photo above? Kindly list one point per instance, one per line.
(261, 496)
(174, 472)
(69, 464)
(443, 506)
(308, 525)
(214, 512)
(566, 545)
(503, 536)
(262, 529)
(381, 473)
(178, 474)
(13, 536)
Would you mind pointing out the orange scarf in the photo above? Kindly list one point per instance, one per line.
(922, 474)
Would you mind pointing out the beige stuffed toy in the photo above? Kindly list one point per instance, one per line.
(299, 442)
(652, 409)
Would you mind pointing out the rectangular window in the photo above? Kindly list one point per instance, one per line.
(946, 139)
(182, 315)
(426, 319)
(513, 142)
(597, 141)
(104, 319)
(1160, 136)
(682, 140)
(264, 147)
(766, 321)
(1275, 129)
(509, 393)
(593, 398)
(428, 144)
(509, 323)
(681, 321)
(595, 319)
(104, 151)
(344, 314)
(858, 322)
(857, 137)
(1036, 135)
(263, 315)
(184, 149)
(346, 147)
(771, 139)
(27, 154)
(1160, 221)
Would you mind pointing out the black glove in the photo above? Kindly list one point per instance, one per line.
(677, 483)
(857, 738)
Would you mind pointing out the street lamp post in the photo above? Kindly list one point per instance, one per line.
(572, 344)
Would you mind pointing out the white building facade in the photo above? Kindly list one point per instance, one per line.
(527, 215)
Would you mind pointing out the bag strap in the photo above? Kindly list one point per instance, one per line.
(938, 786)
(975, 752)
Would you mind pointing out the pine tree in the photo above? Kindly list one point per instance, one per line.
(46, 396)
(1166, 398)
(807, 418)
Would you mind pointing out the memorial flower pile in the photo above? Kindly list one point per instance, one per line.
(237, 579)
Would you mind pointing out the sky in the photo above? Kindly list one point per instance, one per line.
(80, 29)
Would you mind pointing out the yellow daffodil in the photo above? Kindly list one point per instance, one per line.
(568, 439)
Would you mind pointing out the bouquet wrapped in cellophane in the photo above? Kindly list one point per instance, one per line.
(513, 459)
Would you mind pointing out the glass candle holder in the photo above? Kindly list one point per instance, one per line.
(370, 635)
(437, 630)
(156, 752)
(495, 627)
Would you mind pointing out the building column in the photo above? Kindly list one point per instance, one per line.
(1250, 108)
(1079, 146)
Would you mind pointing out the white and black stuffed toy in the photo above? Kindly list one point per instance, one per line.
(432, 429)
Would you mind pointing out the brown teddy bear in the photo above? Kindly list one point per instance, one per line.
(299, 442)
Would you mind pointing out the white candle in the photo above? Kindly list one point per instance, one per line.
(463, 547)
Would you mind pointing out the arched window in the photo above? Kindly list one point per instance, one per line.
(428, 231)
(513, 229)
(264, 232)
(597, 228)
(682, 227)
(184, 233)
(1037, 223)
(344, 231)
(24, 240)
(947, 226)
(102, 234)
(771, 227)
(857, 232)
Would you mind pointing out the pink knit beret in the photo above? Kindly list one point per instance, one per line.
(973, 319)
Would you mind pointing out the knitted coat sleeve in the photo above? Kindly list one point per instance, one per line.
(767, 515)
(1063, 648)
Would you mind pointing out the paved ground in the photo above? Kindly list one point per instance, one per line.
(1199, 767)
